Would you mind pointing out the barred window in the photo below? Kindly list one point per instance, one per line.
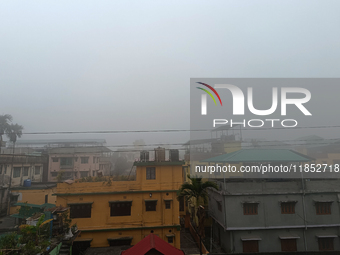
(250, 208)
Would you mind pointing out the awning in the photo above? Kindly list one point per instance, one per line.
(250, 202)
(120, 201)
(167, 199)
(83, 203)
(121, 238)
(288, 237)
(251, 238)
(322, 201)
(327, 236)
(170, 235)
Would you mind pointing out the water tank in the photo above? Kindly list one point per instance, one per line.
(159, 154)
(174, 155)
(27, 183)
(144, 156)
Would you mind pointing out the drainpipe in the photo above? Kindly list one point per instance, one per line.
(304, 210)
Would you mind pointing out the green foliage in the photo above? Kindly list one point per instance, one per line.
(66, 220)
(196, 189)
(9, 241)
(60, 176)
(34, 239)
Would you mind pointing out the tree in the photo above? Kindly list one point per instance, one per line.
(13, 132)
(197, 190)
(4, 125)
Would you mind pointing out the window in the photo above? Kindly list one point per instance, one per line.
(323, 208)
(66, 162)
(84, 160)
(167, 204)
(170, 239)
(54, 159)
(14, 199)
(94, 160)
(150, 173)
(250, 208)
(219, 205)
(326, 244)
(37, 170)
(16, 172)
(288, 245)
(46, 199)
(25, 171)
(80, 211)
(287, 207)
(0, 169)
(121, 208)
(54, 174)
(150, 205)
(84, 174)
(120, 241)
(5, 169)
(251, 246)
(75, 159)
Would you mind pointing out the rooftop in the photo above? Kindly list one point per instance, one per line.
(260, 155)
(60, 141)
(158, 163)
(36, 185)
(152, 242)
(70, 150)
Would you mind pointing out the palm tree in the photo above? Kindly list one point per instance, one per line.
(197, 191)
(4, 124)
(13, 132)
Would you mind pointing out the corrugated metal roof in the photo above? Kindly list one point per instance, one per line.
(70, 150)
(60, 141)
(260, 155)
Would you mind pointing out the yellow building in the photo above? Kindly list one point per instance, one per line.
(37, 193)
(110, 213)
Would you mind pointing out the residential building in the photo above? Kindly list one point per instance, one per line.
(274, 212)
(274, 216)
(22, 167)
(75, 162)
(112, 213)
(36, 193)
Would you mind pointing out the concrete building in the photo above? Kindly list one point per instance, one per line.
(37, 193)
(113, 213)
(75, 162)
(274, 216)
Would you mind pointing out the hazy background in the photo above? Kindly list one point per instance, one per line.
(126, 65)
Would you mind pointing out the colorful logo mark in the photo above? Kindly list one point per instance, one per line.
(208, 92)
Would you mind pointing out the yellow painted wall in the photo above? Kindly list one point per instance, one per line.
(34, 196)
(102, 226)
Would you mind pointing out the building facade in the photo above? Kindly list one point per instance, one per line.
(274, 216)
(75, 162)
(112, 213)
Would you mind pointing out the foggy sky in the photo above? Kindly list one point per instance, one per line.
(126, 65)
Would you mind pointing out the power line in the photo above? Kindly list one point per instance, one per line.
(164, 130)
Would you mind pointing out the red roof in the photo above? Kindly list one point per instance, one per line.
(152, 242)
